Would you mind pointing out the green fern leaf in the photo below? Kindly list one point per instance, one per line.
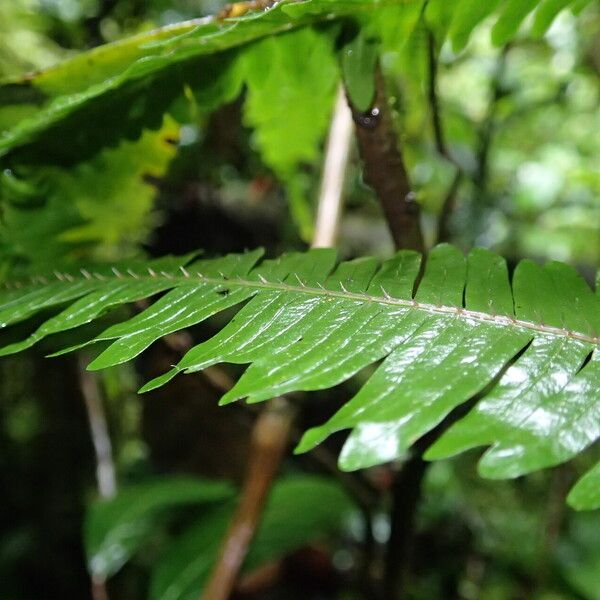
(130, 84)
(90, 210)
(293, 95)
(460, 329)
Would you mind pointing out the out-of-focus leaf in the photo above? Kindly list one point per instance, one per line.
(586, 493)
(24, 44)
(121, 107)
(359, 57)
(299, 510)
(510, 19)
(467, 15)
(115, 529)
(105, 62)
(139, 77)
(438, 16)
(545, 13)
(291, 83)
(97, 207)
(134, 81)
(393, 24)
(184, 570)
(579, 555)
(579, 6)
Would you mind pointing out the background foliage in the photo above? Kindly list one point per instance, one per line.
(92, 168)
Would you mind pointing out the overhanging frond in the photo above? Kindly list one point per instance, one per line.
(136, 79)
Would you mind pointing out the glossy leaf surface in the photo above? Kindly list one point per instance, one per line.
(530, 346)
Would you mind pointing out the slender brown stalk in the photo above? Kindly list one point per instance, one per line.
(273, 427)
(99, 589)
(434, 104)
(105, 468)
(562, 479)
(488, 128)
(406, 495)
(384, 169)
(487, 132)
(92, 396)
(357, 486)
(270, 438)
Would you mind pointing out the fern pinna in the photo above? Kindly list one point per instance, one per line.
(446, 332)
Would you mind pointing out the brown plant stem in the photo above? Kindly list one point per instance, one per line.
(487, 131)
(562, 479)
(434, 103)
(99, 591)
(384, 169)
(355, 484)
(270, 437)
(105, 468)
(273, 427)
(406, 496)
(488, 128)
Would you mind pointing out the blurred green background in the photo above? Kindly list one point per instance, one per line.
(523, 122)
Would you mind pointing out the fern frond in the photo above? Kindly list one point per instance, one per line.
(530, 347)
(135, 80)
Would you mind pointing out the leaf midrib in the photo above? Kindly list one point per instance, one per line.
(460, 312)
